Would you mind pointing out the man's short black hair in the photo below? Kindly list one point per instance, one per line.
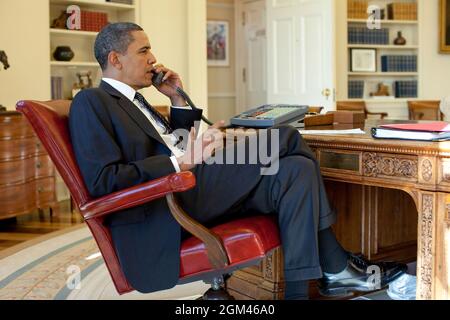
(114, 37)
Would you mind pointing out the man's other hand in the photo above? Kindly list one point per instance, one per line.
(201, 148)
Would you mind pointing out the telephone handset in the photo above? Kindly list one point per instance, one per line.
(157, 80)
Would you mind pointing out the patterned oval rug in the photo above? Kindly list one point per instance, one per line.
(69, 267)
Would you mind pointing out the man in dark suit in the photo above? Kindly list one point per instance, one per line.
(120, 141)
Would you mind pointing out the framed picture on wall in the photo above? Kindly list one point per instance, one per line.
(445, 26)
(363, 60)
(218, 43)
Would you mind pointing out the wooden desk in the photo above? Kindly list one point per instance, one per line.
(393, 202)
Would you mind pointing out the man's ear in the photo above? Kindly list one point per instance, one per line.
(114, 60)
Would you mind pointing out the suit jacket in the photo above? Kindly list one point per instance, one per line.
(116, 147)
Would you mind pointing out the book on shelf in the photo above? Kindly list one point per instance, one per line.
(406, 89)
(56, 88)
(423, 131)
(358, 35)
(399, 63)
(402, 11)
(355, 89)
(93, 21)
(357, 9)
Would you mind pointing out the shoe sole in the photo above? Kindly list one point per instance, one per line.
(345, 292)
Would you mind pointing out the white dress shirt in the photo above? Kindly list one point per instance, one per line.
(169, 139)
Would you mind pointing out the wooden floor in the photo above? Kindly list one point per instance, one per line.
(26, 227)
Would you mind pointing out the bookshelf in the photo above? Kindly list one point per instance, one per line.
(398, 16)
(64, 73)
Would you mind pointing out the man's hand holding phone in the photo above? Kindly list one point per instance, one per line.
(171, 81)
(196, 147)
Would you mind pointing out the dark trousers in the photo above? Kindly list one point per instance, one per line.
(295, 194)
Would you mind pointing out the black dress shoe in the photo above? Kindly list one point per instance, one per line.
(360, 275)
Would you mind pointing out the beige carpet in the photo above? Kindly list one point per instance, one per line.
(49, 269)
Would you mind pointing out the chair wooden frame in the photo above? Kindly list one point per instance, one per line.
(358, 106)
(416, 108)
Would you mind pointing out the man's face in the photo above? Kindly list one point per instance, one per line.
(137, 62)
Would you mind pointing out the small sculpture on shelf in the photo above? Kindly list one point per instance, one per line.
(63, 53)
(4, 59)
(383, 91)
(400, 40)
(61, 21)
(84, 82)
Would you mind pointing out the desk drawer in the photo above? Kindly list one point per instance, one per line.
(391, 166)
(26, 197)
(340, 161)
(20, 148)
(14, 126)
(20, 171)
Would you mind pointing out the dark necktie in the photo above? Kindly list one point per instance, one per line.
(156, 115)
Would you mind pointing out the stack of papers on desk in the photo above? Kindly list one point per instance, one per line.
(332, 132)
(428, 131)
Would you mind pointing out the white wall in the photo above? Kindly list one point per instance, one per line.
(177, 33)
(435, 70)
(25, 38)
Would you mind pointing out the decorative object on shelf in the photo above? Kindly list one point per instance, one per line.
(400, 40)
(383, 91)
(61, 21)
(218, 43)
(444, 26)
(63, 53)
(2, 108)
(363, 60)
(84, 82)
(4, 59)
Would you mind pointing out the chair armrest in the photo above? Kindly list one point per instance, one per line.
(138, 195)
(217, 255)
(158, 188)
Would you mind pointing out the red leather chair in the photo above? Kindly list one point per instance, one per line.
(208, 255)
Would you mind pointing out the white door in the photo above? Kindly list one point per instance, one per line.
(301, 48)
(254, 75)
